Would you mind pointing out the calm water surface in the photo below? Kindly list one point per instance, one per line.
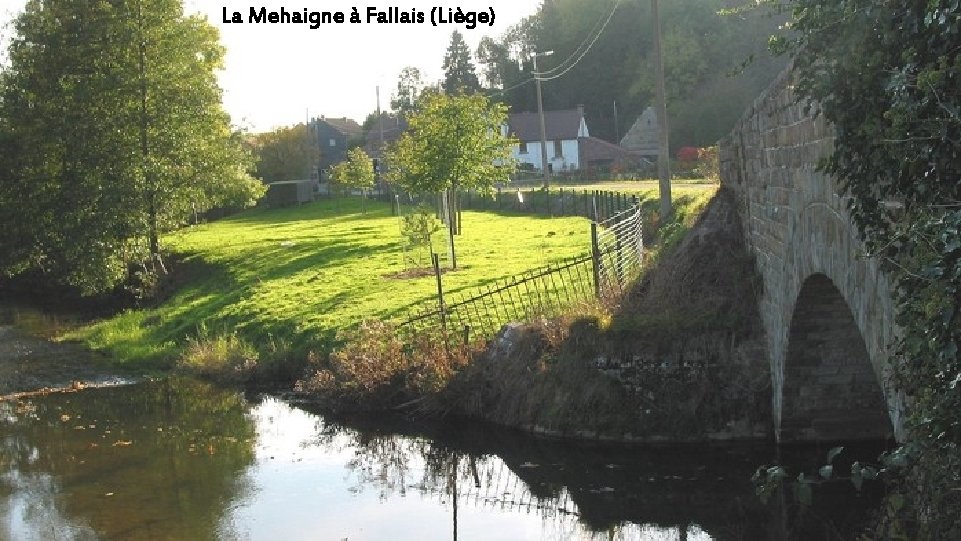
(178, 459)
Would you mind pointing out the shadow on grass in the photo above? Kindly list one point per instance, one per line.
(322, 209)
(220, 298)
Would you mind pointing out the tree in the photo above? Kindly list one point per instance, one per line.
(702, 53)
(454, 142)
(460, 76)
(356, 172)
(113, 122)
(886, 74)
(409, 86)
(286, 153)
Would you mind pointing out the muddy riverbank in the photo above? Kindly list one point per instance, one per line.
(29, 363)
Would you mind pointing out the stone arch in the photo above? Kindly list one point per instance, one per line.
(830, 389)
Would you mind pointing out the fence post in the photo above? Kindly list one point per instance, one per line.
(460, 219)
(595, 257)
(440, 293)
(620, 256)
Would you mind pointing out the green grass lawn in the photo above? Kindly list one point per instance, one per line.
(288, 279)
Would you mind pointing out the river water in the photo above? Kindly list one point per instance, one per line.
(182, 460)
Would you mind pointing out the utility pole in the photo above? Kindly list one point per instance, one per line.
(380, 151)
(663, 140)
(308, 166)
(540, 113)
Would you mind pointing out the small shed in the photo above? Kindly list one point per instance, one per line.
(290, 192)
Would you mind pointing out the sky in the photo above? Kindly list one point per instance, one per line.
(279, 74)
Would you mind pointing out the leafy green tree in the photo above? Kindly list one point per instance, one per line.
(454, 142)
(887, 75)
(354, 173)
(113, 122)
(417, 228)
(286, 153)
(460, 75)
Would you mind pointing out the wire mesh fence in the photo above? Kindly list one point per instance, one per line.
(592, 204)
(618, 251)
(615, 260)
(482, 312)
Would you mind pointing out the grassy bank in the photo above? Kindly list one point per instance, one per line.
(283, 282)
(676, 359)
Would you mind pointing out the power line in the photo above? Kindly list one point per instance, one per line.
(598, 28)
(578, 53)
(549, 76)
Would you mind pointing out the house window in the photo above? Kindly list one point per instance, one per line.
(333, 142)
(558, 149)
(523, 148)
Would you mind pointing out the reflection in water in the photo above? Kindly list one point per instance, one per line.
(181, 460)
(151, 461)
(36, 322)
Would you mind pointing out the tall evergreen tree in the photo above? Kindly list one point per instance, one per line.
(460, 76)
(113, 122)
(409, 86)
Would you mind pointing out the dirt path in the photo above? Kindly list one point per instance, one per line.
(29, 364)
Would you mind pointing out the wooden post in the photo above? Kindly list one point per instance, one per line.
(595, 257)
(440, 293)
(640, 230)
(620, 256)
(460, 218)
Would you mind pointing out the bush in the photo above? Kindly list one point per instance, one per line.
(226, 358)
(378, 369)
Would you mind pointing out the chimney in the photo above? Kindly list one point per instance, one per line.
(580, 109)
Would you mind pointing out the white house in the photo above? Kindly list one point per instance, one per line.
(564, 130)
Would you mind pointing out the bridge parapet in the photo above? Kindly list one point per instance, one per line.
(799, 229)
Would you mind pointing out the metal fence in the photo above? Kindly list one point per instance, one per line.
(592, 204)
(615, 259)
(617, 245)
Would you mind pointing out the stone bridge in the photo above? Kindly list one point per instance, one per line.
(826, 308)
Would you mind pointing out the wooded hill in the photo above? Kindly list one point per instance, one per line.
(715, 64)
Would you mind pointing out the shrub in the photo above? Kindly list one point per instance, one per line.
(378, 369)
(225, 358)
